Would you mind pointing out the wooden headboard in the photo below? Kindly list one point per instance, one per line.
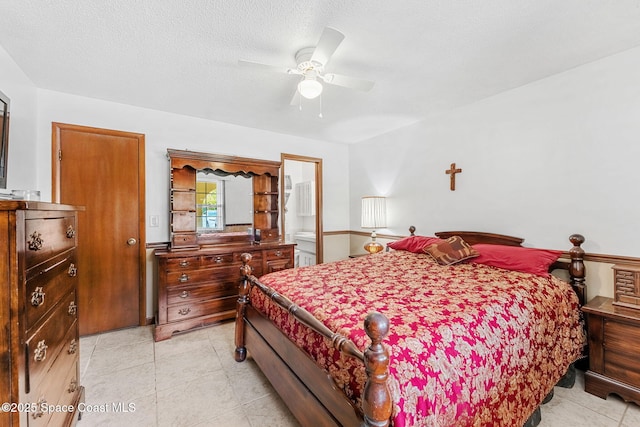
(575, 264)
(473, 237)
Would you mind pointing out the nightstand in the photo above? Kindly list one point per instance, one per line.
(614, 346)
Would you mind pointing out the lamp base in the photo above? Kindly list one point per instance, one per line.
(373, 247)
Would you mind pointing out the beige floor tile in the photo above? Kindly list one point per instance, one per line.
(141, 413)
(111, 359)
(631, 416)
(269, 411)
(174, 370)
(195, 341)
(249, 383)
(125, 337)
(612, 407)
(195, 401)
(121, 385)
(561, 412)
(236, 418)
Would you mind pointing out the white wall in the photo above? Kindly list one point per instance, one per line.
(555, 157)
(23, 171)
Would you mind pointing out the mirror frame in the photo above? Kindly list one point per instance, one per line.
(267, 169)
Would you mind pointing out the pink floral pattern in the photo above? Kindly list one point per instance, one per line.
(469, 345)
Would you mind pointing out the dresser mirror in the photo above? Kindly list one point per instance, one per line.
(222, 199)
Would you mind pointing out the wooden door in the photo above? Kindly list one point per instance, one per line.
(103, 170)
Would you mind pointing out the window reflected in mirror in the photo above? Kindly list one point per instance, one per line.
(209, 203)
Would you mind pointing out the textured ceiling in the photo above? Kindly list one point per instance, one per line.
(425, 56)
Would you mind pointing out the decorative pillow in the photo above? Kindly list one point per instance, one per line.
(525, 260)
(413, 243)
(450, 251)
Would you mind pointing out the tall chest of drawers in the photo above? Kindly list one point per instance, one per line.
(200, 287)
(39, 341)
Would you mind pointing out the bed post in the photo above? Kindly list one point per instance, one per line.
(576, 267)
(243, 299)
(376, 399)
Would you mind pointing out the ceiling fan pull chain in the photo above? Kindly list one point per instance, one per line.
(320, 103)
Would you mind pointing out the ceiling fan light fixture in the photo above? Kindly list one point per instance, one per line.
(309, 87)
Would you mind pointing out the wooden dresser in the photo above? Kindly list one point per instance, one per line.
(614, 346)
(200, 287)
(39, 342)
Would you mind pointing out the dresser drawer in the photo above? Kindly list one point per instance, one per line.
(181, 295)
(284, 253)
(214, 260)
(67, 390)
(180, 264)
(202, 308)
(58, 388)
(279, 259)
(55, 335)
(622, 366)
(621, 337)
(48, 283)
(220, 274)
(48, 237)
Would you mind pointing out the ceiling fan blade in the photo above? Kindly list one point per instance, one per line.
(295, 99)
(265, 67)
(346, 81)
(328, 43)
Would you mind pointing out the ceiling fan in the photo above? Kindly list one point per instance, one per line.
(311, 67)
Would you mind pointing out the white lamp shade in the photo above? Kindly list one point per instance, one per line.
(374, 212)
(309, 87)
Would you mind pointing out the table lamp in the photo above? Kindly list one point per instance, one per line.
(374, 215)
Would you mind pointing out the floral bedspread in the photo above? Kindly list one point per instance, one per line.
(469, 345)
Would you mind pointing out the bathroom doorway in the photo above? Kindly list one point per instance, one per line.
(301, 191)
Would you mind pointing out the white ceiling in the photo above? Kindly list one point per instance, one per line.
(425, 56)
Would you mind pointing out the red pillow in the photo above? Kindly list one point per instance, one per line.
(413, 243)
(525, 260)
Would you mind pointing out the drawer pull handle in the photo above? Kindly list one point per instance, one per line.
(73, 346)
(73, 270)
(184, 263)
(73, 308)
(42, 403)
(184, 277)
(40, 353)
(184, 294)
(184, 311)
(73, 386)
(71, 233)
(278, 253)
(218, 259)
(37, 297)
(35, 243)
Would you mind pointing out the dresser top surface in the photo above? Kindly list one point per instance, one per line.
(13, 205)
(604, 306)
(219, 249)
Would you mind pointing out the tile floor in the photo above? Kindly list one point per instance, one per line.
(192, 380)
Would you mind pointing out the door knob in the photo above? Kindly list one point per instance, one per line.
(131, 241)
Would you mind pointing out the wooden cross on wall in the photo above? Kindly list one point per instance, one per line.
(453, 171)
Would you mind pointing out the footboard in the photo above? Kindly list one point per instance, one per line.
(376, 398)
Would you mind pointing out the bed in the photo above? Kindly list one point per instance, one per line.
(465, 343)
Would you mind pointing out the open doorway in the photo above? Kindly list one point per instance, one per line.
(301, 191)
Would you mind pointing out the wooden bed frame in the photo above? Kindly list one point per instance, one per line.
(309, 391)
